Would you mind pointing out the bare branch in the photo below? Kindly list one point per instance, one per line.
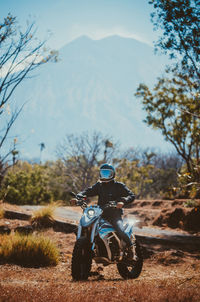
(81, 156)
(20, 54)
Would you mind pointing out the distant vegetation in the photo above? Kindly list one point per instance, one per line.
(148, 173)
(27, 184)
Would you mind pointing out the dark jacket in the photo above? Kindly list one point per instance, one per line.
(110, 191)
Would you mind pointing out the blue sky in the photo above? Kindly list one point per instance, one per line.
(68, 19)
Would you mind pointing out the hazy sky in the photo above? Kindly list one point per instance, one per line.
(68, 19)
(65, 20)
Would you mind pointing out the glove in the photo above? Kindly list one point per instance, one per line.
(123, 199)
(120, 205)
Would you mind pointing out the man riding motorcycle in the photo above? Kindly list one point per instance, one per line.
(107, 190)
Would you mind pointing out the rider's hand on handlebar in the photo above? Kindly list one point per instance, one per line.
(120, 205)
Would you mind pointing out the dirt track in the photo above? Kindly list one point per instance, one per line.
(166, 273)
(169, 274)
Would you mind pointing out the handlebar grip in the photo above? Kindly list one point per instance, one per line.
(72, 194)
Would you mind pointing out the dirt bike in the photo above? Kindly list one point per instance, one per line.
(98, 240)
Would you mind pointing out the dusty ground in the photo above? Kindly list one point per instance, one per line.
(163, 270)
(167, 275)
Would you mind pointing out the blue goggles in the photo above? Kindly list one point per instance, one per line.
(106, 173)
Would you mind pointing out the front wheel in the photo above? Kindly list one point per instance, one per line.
(131, 271)
(81, 259)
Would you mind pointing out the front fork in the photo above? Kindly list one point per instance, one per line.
(91, 232)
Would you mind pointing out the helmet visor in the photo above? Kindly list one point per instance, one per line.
(106, 173)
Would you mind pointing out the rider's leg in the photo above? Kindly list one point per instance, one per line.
(118, 226)
(115, 218)
(130, 246)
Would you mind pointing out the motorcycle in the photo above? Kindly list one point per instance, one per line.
(97, 240)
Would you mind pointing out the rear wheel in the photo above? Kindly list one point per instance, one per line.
(132, 271)
(81, 259)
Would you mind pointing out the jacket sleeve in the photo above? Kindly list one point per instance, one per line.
(91, 191)
(127, 196)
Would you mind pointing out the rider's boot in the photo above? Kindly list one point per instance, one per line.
(131, 253)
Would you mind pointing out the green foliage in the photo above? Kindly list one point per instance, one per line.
(134, 176)
(35, 184)
(28, 250)
(163, 182)
(188, 185)
(57, 180)
(27, 184)
(172, 107)
(192, 203)
(179, 21)
(147, 180)
(148, 175)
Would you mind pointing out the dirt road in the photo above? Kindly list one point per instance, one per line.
(167, 275)
(170, 273)
(146, 234)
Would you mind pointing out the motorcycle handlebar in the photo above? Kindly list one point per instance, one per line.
(111, 204)
(72, 194)
(114, 204)
(81, 201)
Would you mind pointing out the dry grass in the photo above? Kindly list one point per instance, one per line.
(1, 213)
(102, 291)
(158, 283)
(28, 250)
(44, 217)
(168, 276)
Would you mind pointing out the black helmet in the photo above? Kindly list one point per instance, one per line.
(107, 173)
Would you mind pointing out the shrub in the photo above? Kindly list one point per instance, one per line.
(192, 203)
(31, 250)
(27, 184)
(44, 217)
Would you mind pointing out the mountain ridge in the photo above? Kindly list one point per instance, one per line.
(90, 88)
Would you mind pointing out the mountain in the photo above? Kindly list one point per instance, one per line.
(91, 88)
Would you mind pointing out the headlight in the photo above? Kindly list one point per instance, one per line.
(90, 213)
